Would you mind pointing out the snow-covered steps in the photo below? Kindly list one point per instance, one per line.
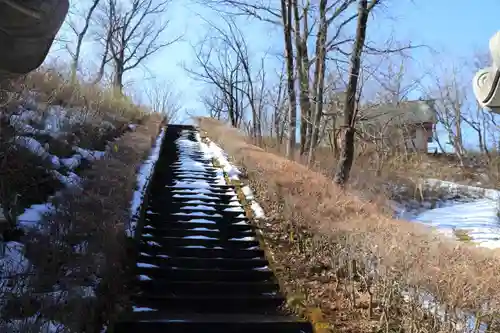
(199, 266)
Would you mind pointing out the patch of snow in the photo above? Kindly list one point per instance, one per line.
(70, 180)
(257, 210)
(32, 215)
(145, 265)
(194, 196)
(241, 223)
(143, 178)
(199, 237)
(214, 151)
(90, 155)
(200, 207)
(142, 309)
(263, 268)
(234, 208)
(247, 192)
(72, 162)
(477, 220)
(194, 190)
(202, 221)
(243, 239)
(198, 214)
(458, 189)
(191, 184)
(472, 216)
(200, 202)
(37, 149)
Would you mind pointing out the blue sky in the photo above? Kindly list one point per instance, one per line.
(456, 29)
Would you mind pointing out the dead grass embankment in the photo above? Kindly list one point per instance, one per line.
(81, 253)
(396, 175)
(52, 86)
(355, 262)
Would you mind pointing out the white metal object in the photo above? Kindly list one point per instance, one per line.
(486, 82)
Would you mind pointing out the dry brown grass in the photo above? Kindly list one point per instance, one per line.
(375, 174)
(83, 243)
(54, 87)
(341, 250)
(79, 114)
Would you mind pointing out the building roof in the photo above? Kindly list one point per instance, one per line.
(407, 113)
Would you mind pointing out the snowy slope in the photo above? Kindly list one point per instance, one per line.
(472, 217)
(477, 219)
(36, 132)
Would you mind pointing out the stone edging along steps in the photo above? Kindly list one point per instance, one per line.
(200, 267)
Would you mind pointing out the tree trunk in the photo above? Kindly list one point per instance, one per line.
(302, 69)
(306, 68)
(458, 140)
(319, 80)
(347, 148)
(79, 41)
(118, 77)
(286, 10)
(104, 61)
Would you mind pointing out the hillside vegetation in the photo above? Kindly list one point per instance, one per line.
(70, 153)
(366, 271)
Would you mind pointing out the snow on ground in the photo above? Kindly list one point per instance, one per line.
(476, 220)
(55, 122)
(143, 178)
(470, 215)
(463, 212)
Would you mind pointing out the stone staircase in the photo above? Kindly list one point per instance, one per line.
(199, 267)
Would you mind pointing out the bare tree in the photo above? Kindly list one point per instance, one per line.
(449, 91)
(299, 21)
(276, 97)
(165, 100)
(80, 33)
(302, 32)
(214, 103)
(319, 78)
(223, 60)
(105, 41)
(347, 149)
(326, 21)
(136, 31)
(286, 16)
(216, 66)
